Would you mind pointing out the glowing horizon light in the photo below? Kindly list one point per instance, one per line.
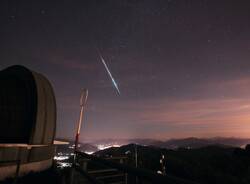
(89, 152)
(61, 157)
(103, 147)
(64, 164)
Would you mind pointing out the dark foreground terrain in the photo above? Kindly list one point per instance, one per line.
(213, 164)
(216, 164)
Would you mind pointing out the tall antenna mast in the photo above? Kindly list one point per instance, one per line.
(83, 100)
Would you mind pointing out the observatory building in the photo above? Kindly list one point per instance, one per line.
(27, 122)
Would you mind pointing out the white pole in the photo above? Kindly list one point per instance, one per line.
(83, 100)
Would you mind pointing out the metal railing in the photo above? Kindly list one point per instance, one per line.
(143, 175)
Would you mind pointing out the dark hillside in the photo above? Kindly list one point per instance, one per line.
(212, 164)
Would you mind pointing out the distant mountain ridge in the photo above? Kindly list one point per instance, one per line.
(193, 142)
(189, 142)
(69, 148)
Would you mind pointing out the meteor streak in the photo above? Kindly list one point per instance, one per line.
(110, 75)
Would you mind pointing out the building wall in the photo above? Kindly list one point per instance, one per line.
(10, 171)
(33, 157)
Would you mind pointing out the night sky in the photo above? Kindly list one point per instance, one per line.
(182, 66)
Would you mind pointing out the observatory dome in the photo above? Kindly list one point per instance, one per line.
(27, 121)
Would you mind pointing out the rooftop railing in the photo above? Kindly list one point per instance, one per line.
(106, 170)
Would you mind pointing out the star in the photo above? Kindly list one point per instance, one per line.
(42, 12)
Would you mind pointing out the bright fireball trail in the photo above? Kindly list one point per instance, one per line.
(110, 75)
